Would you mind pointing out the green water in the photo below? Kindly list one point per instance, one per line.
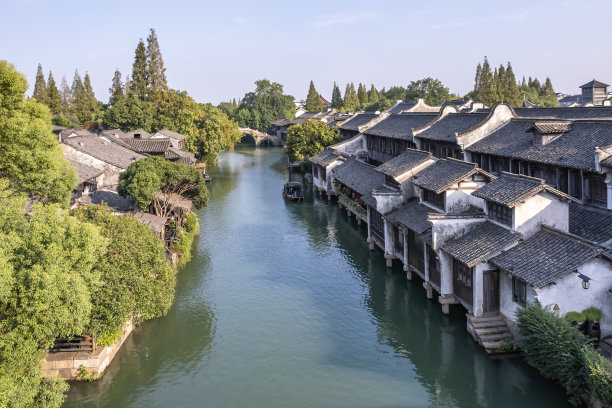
(283, 305)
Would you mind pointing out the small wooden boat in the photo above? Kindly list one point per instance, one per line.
(293, 191)
(207, 178)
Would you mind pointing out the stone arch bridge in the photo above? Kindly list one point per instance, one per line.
(262, 139)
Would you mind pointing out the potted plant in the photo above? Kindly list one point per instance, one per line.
(591, 325)
(576, 319)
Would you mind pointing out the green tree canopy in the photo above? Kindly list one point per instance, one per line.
(372, 95)
(145, 178)
(308, 139)
(129, 114)
(157, 85)
(336, 101)
(351, 100)
(362, 95)
(136, 281)
(31, 156)
(40, 87)
(116, 89)
(395, 93)
(313, 100)
(266, 104)
(140, 73)
(430, 89)
(54, 101)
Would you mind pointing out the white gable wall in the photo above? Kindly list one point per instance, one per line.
(543, 208)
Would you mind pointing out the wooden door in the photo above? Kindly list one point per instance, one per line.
(490, 281)
(463, 277)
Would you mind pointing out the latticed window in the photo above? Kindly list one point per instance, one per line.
(434, 198)
(500, 213)
(519, 291)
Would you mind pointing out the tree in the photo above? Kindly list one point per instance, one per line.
(140, 73)
(215, 131)
(54, 100)
(91, 104)
(265, 105)
(313, 100)
(336, 101)
(396, 93)
(157, 85)
(511, 91)
(31, 156)
(362, 95)
(79, 105)
(66, 95)
(308, 139)
(116, 89)
(486, 92)
(129, 114)
(136, 281)
(40, 88)
(46, 266)
(430, 89)
(152, 180)
(372, 95)
(351, 100)
(548, 98)
(476, 94)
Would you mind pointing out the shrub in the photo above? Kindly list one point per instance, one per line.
(599, 375)
(186, 235)
(575, 317)
(554, 347)
(592, 313)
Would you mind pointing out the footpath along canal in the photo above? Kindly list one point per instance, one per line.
(283, 305)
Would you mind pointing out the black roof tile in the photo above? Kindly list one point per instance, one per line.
(400, 126)
(447, 127)
(481, 243)
(358, 120)
(358, 176)
(445, 173)
(510, 189)
(411, 215)
(406, 161)
(590, 223)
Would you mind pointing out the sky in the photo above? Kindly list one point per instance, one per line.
(216, 50)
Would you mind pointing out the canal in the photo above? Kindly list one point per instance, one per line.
(283, 305)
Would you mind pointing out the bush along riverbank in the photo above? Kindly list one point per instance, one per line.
(559, 351)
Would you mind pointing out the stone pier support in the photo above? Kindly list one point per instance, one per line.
(339, 205)
(389, 260)
(348, 213)
(358, 221)
(428, 290)
(446, 301)
(408, 272)
(371, 244)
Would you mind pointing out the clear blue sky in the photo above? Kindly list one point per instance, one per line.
(215, 50)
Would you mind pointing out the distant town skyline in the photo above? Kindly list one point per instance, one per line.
(217, 51)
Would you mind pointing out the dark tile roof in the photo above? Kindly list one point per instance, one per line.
(84, 171)
(591, 223)
(359, 176)
(306, 116)
(326, 157)
(179, 155)
(280, 122)
(155, 222)
(546, 257)
(594, 84)
(574, 149)
(481, 243)
(109, 197)
(143, 134)
(445, 173)
(104, 150)
(510, 189)
(148, 145)
(551, 127)
(113, 133)
(565, 113)
(358, 120)
(456, 102)
(411, 215)
(171, 134)
(446, 128)
(402, 107)
(67, 133)
(569, 99)
(406, 161)
(607, 162)
(400, 126)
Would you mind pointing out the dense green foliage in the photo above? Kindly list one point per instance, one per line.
(54, 101)
(266, 104)
(351, 100)
(30, 156)
(47, 267)
(430, 89)
(186, 234)
(313, 100)
(500, 85)
(136, 280)
(362, 95)
(560, 352)
(40, 87)
(336, 101)
(308, 139)
(145, 178)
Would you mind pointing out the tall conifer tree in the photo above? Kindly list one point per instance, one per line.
(511, 92)
(140, 73)
(116, 89)
(313, 100)
(66, 95)
(90, 98)
(40, 87)
(477, 95)
(336, 101)
(362, 94)
(548, 98)
(54, 101)
(351, 101)
(78, 103)
(373, 94)
(156, 80)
